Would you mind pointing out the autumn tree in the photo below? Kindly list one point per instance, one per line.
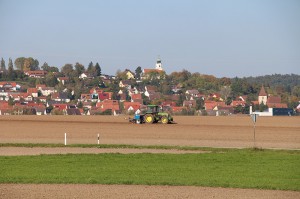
(26, 64)
(67, 70)
(79, 69)
(225, 92)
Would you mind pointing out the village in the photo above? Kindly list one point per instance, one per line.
(129, 94)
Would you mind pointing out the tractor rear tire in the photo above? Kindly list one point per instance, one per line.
(149, 119)
(164, 120)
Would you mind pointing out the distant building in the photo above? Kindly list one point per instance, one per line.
(158, 72)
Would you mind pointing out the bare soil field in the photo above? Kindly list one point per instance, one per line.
(235, 131)
(31, 191)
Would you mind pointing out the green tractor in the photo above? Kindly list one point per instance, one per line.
(155, 114)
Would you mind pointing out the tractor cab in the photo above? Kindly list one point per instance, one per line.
(153, 109)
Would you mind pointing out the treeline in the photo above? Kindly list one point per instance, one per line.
(286, 86)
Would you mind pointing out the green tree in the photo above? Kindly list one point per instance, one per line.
(51, 80)
(11, 101)
(90, 68)
(10, 72)
(138, 72)
(45, 67)
(53, 69)
(10, 63)
(98, 69)
(262, 107)
(2, 65)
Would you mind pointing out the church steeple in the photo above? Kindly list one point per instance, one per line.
(158, 64)
(262, 96)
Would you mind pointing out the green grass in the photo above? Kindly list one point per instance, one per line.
(246, 168)
(123, 146)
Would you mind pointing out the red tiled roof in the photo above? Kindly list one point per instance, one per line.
(134, 105)
(209, 105)
(237, 103)
(274, 99)
(32, 90)
(152, 70)
(108, 104)
(13, 84)
(136, 96)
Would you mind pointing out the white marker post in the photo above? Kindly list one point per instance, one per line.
(65, 139)
(98, 138)
(254, 118)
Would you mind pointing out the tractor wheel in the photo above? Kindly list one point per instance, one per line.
(149, 118)
(164, 120)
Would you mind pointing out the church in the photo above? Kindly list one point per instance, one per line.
(275, 107)
(158, 71)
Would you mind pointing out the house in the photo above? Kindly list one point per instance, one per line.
(46, 91)
(223, 110)
(10, 86)
(150, 90)
(40, 110)
(129, 74)
(112, 105)
(210, 105)
(189, 103)
(86, 76)
(33, 92)
(86, 97)
(104, 95)
(36, 73)
(236, 103)
(216, 97)
(132, 106)
(60, 97)
(63, 80)
(137, 98)
(192, 93)
(125, 84)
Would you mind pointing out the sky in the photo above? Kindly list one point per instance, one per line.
(222, 38)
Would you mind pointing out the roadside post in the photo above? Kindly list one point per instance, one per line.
(254, 118)
(65, 139)
(98, 138)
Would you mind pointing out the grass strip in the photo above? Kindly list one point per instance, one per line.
(235, 168)
(187, 148)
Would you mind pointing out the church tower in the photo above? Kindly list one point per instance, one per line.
(158, 64)
(262, 96)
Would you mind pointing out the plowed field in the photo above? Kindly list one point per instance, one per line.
(235, 131)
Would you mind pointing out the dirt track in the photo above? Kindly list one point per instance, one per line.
(271, 132)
